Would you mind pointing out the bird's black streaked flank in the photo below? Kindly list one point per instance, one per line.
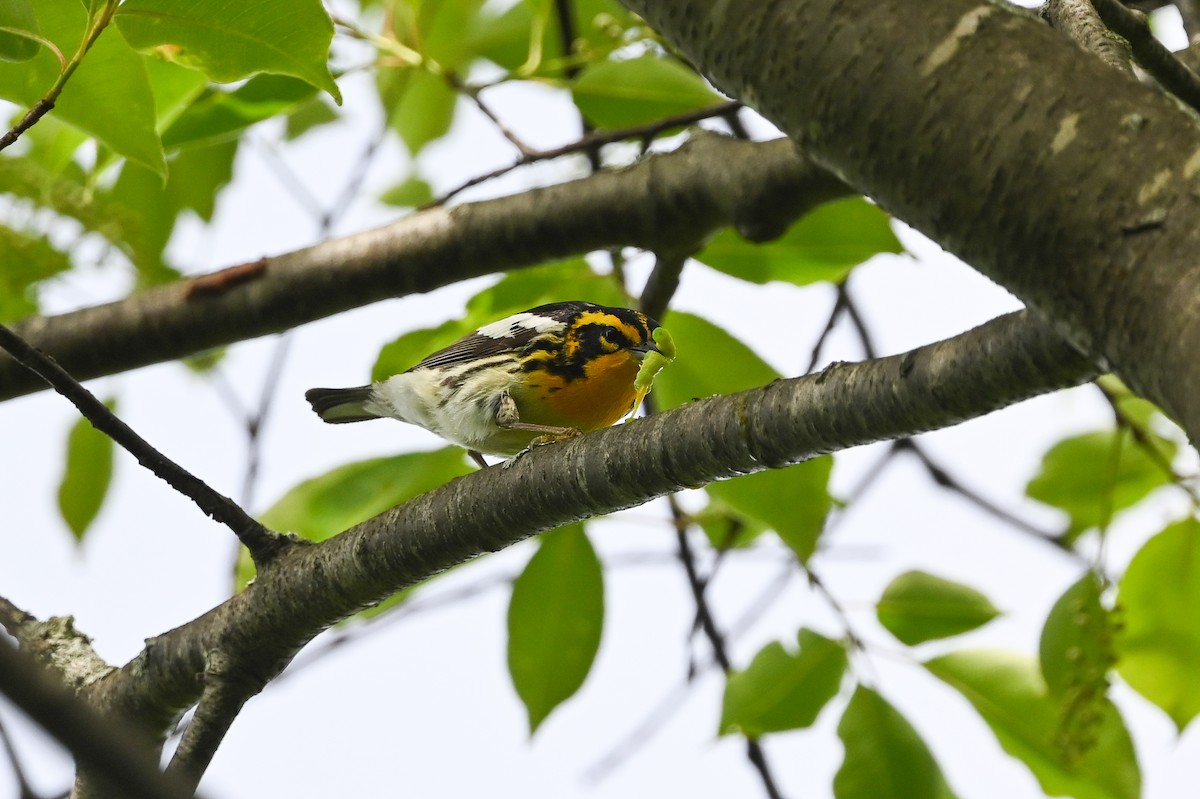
(541, 375)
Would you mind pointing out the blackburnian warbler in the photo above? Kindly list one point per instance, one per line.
(546, 374)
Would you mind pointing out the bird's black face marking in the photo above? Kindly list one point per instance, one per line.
(589, 332)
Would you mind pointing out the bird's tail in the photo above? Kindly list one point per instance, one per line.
(338, 405)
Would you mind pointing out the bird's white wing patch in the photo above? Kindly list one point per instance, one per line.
(510, 325)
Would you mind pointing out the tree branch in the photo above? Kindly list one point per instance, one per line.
(263, 544)
(1078, 20)
(308, 588)
(104, 746)
(1116, 274)
(220, 702)
(1174, 76)
(660, 202)
(754, 750)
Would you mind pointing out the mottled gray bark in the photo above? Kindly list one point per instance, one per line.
(1064, 180)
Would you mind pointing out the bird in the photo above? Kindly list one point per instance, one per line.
(539, 376)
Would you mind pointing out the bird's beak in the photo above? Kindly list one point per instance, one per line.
(643, 349)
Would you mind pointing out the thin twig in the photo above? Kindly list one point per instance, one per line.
(566, 30)
(1142, 437)
(590, 142)
(472, 93)
(939, 475)
(754, 751)
(263, 544)
(23, 784)
(96, 26)
(947, 481)
(839, 307)
(1171, 73)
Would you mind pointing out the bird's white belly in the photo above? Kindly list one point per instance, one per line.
(457, 403)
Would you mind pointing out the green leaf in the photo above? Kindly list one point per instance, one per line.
(442, 24)
(823, 245)
(1009, 693)
(26, 259)
(727, 528)
(1158, 643)
(710, 361)
(621, 94)
(601, 26)
(324, 506)
(17, 15)
(308, 115)
(109, 95)
(781, 690)
(402, 353)
(555, 621)
(569, 279)
(409, 193)
(48, 178)
(51, 144)
(1076, 649)
(87, 476)
(1076, 653)
(175, 89)
(918, 607)
(420, 105)
(229, 40)
(793, 501)
(220, 115)
(195, 176)
(1095, 475)
(885, 757)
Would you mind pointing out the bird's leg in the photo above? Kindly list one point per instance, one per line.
(508, 418)
(478, 458)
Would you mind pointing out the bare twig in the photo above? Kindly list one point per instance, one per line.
(10, 751)
(947, 481)
(472, 93)
(1142, 437)
(96, 26)
(263, 544)
(839, 308)
(754, 751)
(592, 142)
(1169, 71)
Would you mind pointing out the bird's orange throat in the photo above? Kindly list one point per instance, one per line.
(601, 398)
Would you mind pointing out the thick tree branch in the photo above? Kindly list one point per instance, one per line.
(106, 747)
(263, 544)
(657, 204)
(1116, 273)
(308, 588)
